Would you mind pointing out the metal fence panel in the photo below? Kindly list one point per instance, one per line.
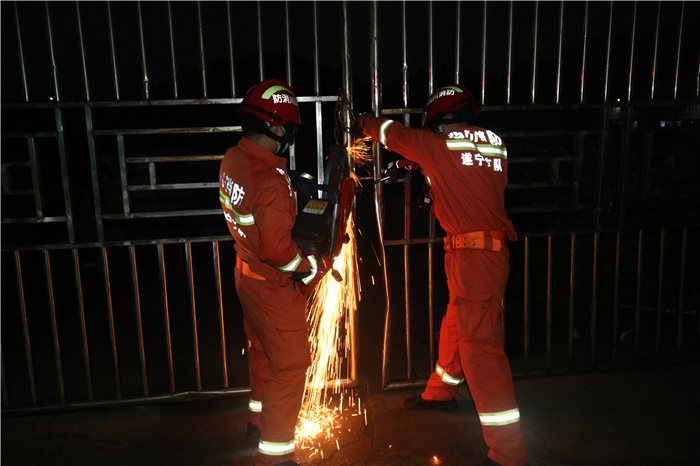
(117, 266)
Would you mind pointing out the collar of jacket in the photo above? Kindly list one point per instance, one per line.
(256, 149)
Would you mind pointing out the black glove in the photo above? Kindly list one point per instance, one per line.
(304, 184)
(356, 121)
(396, 170)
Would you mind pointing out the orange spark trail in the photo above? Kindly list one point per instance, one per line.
(331, 313)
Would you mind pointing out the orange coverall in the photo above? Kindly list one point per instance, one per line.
(260, 208)
(467, 174)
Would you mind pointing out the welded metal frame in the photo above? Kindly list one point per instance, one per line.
(103, 246)
(607, 110)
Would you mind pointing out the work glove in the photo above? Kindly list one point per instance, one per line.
(308, 280)
(356, 121)
(305, 186)
(397, 169)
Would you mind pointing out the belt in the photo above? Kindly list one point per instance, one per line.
(486, 240)
(243, 266)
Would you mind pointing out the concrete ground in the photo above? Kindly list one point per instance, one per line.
(633, 417)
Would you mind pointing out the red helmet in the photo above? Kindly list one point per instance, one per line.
(452, 98)
(272, 101)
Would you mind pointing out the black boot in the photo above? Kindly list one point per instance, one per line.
(417, 403)
(252, 434)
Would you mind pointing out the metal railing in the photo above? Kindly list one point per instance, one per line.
(113, 245)
(572, 144)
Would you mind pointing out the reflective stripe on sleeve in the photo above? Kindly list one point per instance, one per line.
(500, 419)
(255, 406)
(447, 378)
(382, 131)
(312, 272)
(292, 266)
(275, 448)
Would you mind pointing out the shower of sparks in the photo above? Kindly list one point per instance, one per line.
(330, 314)
(361, 153)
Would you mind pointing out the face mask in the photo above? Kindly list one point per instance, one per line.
(281, 149)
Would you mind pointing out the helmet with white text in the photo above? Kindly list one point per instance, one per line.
(452, 99)
(271, 103)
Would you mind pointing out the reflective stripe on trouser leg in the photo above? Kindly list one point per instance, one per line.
(447, 378)
(449, 364)
(275, 448)
(255, 406)
(500, 419)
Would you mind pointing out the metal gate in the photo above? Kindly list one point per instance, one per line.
(117, 266)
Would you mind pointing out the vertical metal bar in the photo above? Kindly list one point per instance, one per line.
(110, 315)
(230, 49)
(166, 315)
(261, 72)
(122, 174)
(407, 272)
(431, 36)
(548, 308)
(509, 73)
(83, 328)
(608, 54)
(94, 171)
(112, 51)
(152, 178)
(193, 310)
(54, 327)
(25, 329)
(173, 68)
(53, 56)
(139, 325)
(288, 43)
(534, 53)
(601, 158)
(616, 297)
(594, 301)
(585, 51)
(58, 113)
(458, 41)
(142, 41)
(404, 52)
(484, 17)
(220, 309)
(561, 38)
(82, 52)
(378, 188)
(660, 292)
(681, 291)
(678, 53)
(656, 50)
(632, 47)
(21, 56)
(36, 183)
(347, 73)
(572, 301)
(203, 61)
(638, 297)
(526, 307)
(5, 398)
(317, 92)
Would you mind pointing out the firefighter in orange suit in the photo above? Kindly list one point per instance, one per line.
(260, 208)
(465, 167)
